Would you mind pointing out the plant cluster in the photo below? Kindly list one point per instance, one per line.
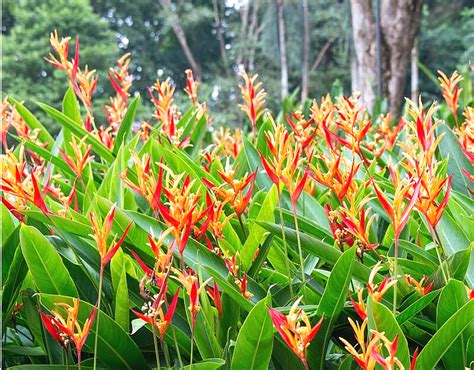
(323, 238)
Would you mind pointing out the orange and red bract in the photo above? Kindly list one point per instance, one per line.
(216, 298)
(64, 329)
(191, 86)
(295, 329)
(420, 285)
(81, 156)
(451, 91)
(155, 315)
(101, 233)
(254, 99)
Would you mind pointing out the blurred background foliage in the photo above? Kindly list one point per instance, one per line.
(222, 35)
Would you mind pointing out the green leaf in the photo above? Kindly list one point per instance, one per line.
(33, 122)
(331, 305)
(71, 106)
(119, 284)
(452, 298)
(46, 266)
(445, 336)
(416, 307)
(125, 126)
(257, 232)
(80, 132)
(209, 364)
(449, 146)
(253, 348)
(382, 320)
(115, 347)
(11, 286)
(253, 160)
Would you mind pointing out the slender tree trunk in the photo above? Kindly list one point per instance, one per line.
(255, 30)
(220, 35)
(244, 19)
(282, 44)
(414, 72)
(399, 23)
(180, 35)
(306, 44)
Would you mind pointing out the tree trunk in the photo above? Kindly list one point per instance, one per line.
(244, 20)
(255, 30)
(180, 35)
(399, 23)
(282, 44)
(220, 35)
(304, 72)
(414, 72)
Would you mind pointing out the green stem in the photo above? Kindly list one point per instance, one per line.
(285, 246)
(436, 241)
(242, 226)
(79, 360)
(180, 361)
(395, 277)
(300, 252)
(192, 348)
(101, 276)
(165, 350)
(440, 243)
(157, 351)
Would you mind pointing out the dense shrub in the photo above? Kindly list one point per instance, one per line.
(319, 239)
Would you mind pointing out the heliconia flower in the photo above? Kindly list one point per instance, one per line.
(232, 266)
(391, 362)
(331, 174)
(191, 86)
(339, 230)
(387, 135)
(66, 329)
(451, 91)
(154, 315)
(471, 294)
(227, 143)
(295, 329)
(101, 235)
(364, 359)
(359, 306)
(191, 285)
(216, 298)
(163, 260)
(121, 81)
(232, 191)
(466, 133)
(395, 211)
(149, 185)
(413, 360)
(81, 156)
(61, 47)
(378, 291)
(254, 99)
(304, 130)
(420, 286)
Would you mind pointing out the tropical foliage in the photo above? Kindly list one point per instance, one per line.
(324, 238)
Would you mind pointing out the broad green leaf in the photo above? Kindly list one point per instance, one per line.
(416, 307)
(382, 320)
(11, 286)
(80, 132)
(257, 232)
(445, 336)
(115, 347)
(209, 364)
(331, 305)
(33, 122)
(120, 288)
(452, 298)
(449, 146)
(46, 266)
(71, 106)
(254, 344)
(9, 223)
(253, 161)
(125, 126)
